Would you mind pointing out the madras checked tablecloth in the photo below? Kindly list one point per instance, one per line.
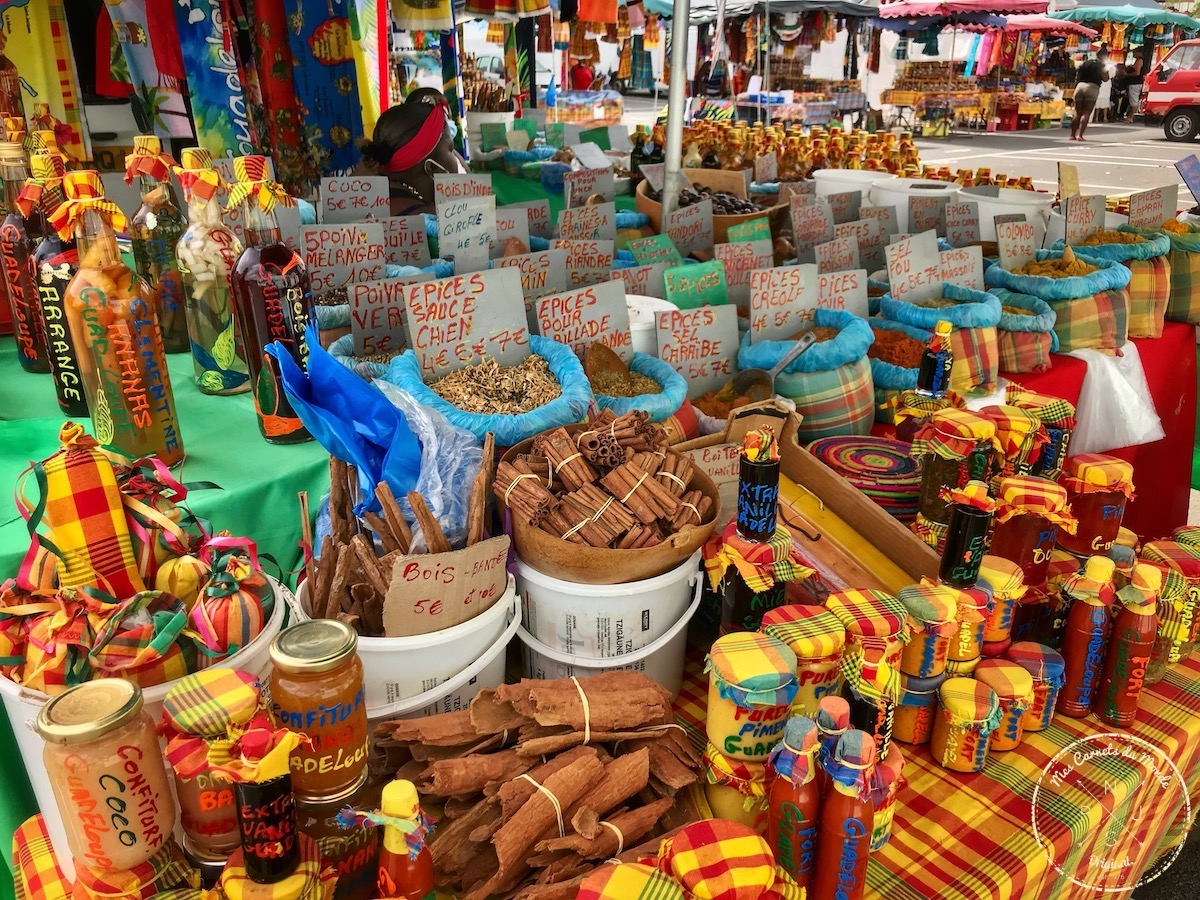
(969, 837)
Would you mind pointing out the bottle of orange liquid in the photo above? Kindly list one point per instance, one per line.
(794, 798)
(405, 864)
(847, 820)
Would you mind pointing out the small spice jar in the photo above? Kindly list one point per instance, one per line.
(1047, 669)
(932, 610)
(1098, 487)
(317, 690)
(1030, 513)
(875, 621)
(1176, 604)
(974, 607)
(103, 761)
(968, 714)
(736, 789)
(1021, 436)
(872, 689)
(889, 778)
(1008, 586)
(1013, 686)
(817, 637)
(751, 686)
(962, 668)
(955, 446)
(915, 708)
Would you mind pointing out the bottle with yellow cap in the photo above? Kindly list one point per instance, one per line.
(1086, 635)
(114, 325)
(19, 237)
(154, 231)
(272, 295)
(207, 253)
(405, 863)
(1129, 649)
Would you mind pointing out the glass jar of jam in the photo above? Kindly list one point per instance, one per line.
(317, 690)
(1098, 488)
(932, 610)
(1030, 512)
(956, 446)
(105, 766)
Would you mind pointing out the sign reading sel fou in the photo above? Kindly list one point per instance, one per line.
(700, 344)
(354, 198)
(595, 314)
(463, 320)
(377, 315)
(338, 254)
(914, 267)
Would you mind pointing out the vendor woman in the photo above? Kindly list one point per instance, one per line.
(413, 142)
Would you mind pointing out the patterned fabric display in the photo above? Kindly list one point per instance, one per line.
(1087, 473)
(629, 881)
(812, 632)
(752, 669)
(717, 859)
(1093, 322)
(166, 870)
(1149, 292)
(760, 565)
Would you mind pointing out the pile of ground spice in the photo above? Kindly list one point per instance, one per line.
(612, 384)
(897, 348)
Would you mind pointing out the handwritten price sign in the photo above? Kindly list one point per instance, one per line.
(644, 280)
(456, 187)
(541, 273)
(777, 301)
(466, 229)
(843, 291)
(656, 248)
(589, 223)
(1015, 240)
(581, 184)
(540, 224)
(354, 198)
(741, 259)
(837, 255)
(844, 206)
(596, 314)
(339, 254)
(691, 228)
(588, 262)
(962, 223)
(429, 592)
(377, 315)
(1083, 216)
(405, 241)
(1149, 209)
(700, 344)
(812, 224)
(963, 266)
(511, 225)
(927, 213)
(914, 268)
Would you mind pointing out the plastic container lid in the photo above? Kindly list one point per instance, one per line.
(209, 702)
(1004, 575)
(753, 669)
(867, 614)
(812, 632)
(1010, 680)
(932, 607)
(1044, 664)
(970, 704)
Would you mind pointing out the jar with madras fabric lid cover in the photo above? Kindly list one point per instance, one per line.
(1008, 587)
(1183, 559)
(1098, 487)
(1030, 513)
(1014, 692)
(872, 689)
(1045, 666)
(1058, 416)
(1021, 435)
(832, 720)
(915, 708)
(876, 622)
(736, 789)
(1176, 604)
(974, 608)
(966, 533)
(817, 638)
(751, 686)
(956, 446)
(932, 615)
(969, 712)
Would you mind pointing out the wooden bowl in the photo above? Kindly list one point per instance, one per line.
(600, 565)
(652, 209)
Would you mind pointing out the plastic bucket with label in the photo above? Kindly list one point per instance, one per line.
(643, 311)
(603, 620)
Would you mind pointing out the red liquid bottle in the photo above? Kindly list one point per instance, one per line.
(1086, 633)
(19, 237)
(271, 293)
(847, 819)
(833, 718)
(405, 863)
(794, 799)
(1129, 649)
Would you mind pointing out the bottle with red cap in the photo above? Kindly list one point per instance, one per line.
(1085, 636)
(847, 820)
(1129, 648)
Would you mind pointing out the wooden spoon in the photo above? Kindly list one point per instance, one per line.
(601, 359)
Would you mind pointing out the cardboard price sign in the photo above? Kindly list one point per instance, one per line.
(1149, 209)
(540, 223)
(700, 344)
(1016, 241)
(699, 285)
(645, 280)
(963, 266)
(455, 187)
(581, 184)
(588, 262)
(790, 189)
(962, 223)
(656, 248)
(885, 216)
(589, 223)
(465, 319)
(466, 229)
(354, 198)
(430, 592)
(866, 235)
(777, 301)
(511, 224)
(844, 206)
(1083, 217)
(655, 175)
(541, 273)
(766, 168)
(377, 314)
(740, 260)
(590, 156)
(338, 254)
(596, 314)
(837, 255)
(845, 291)
(914, 267)
(1068, 180)
(812, 224)
(755, 230)
(405, 241)
(691, 228)
(927, 213)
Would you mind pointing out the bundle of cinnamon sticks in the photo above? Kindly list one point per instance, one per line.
(543, 780)
(351, 576)
(614, 484)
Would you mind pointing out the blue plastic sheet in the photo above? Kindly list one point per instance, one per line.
(851, 345)
(660, 406)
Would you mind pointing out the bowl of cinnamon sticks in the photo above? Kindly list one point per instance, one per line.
(605, 502)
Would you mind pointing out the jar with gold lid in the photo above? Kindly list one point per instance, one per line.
(103, 761)
(317, 690)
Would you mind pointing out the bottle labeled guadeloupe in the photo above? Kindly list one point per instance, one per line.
(272, 295)
(19, 237)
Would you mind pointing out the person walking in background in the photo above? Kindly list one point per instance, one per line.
(1120, 98)
(1134, 77)
(1089, 77)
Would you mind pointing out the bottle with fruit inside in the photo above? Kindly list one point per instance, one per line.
(19, 237)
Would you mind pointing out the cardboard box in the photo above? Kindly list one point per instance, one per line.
(845, 535)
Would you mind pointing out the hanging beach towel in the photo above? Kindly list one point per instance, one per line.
(157, 99)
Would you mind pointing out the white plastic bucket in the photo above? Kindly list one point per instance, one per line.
(22, 706)
(601, 621)
(456, 693)
(661, 660)
(642, 313)
(839, 181)
(1057, 229)
(893, 191)
(396, 668)
(994, 201)
(476, 119)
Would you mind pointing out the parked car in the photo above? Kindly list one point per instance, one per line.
(1171, 92)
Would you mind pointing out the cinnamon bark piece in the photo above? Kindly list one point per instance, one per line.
(602, 842)
(443, 730)
(616, 701)
(435, 538)
(470, 774)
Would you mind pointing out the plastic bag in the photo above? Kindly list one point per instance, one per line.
(1115, 408)
(1156, 243)
(1109, 277)
(972, 309)
(405, 372)
(850, 345)
(660, 406)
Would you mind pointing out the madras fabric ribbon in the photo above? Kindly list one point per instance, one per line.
(196, 173)
(416, 831)
(747, 778)
(252, 183)
(1023, 495)
(84, 193)
(148, 159)
(166, 870)
(760, 445)
(1090, 473)
(954, 434)
(140, 640)
(911, 405)
(14, 129)
(231, 609)
(43, 188)
(312, 879)
(255, 752)
(37, 875)
(1051, 410)
(760, 565)
(1176, 606)
(973, 494)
